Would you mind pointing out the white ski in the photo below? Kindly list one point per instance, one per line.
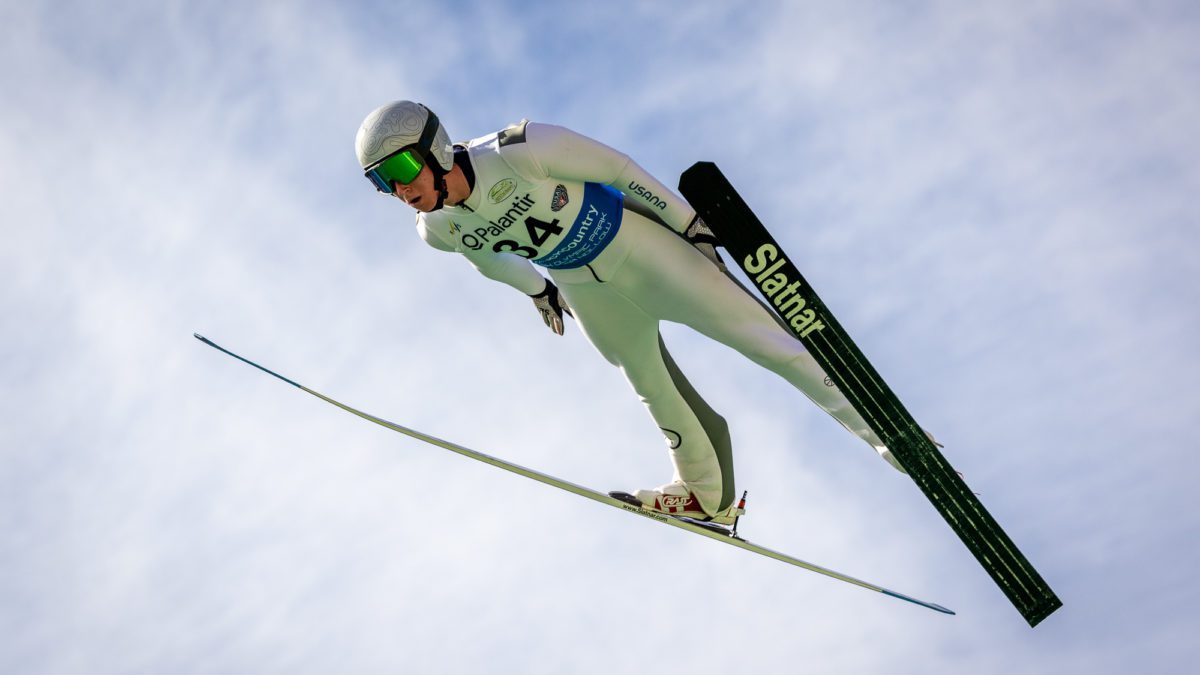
(709, 530)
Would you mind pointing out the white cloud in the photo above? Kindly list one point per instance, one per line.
(995, 201)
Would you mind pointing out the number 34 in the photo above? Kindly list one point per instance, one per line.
(539, 232)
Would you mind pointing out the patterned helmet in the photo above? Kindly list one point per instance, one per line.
(399, 125)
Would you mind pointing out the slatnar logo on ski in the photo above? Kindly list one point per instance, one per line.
(765, 263)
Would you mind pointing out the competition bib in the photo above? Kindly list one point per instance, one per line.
(558, 223)
(529, 220)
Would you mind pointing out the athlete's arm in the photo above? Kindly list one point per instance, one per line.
(513, 270)
(562, 153)
(517, 272)
(506, 268)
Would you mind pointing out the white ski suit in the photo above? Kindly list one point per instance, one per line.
(610, 236)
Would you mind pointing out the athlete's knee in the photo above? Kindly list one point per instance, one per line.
(649, 386)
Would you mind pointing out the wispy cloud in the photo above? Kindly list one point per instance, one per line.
(995, 200)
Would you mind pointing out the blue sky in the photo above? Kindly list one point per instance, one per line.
(997, 201)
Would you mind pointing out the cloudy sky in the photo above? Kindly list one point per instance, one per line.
(998, 201)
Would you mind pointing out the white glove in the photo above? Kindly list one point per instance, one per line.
(551, 304)
(699, 235)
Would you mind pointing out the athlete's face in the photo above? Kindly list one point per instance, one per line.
(419, 194)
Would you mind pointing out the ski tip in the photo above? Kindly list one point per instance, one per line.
(698, 167)
(934, 606)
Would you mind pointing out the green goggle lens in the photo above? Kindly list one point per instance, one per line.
(402, 167)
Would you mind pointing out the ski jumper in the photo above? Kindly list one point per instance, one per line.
(609, 235)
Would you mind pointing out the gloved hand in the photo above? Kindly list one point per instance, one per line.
(699, 235)
(551, 304)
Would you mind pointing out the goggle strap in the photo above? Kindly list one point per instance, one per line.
(425, 143)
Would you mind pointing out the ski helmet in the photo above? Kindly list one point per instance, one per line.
(401, 126)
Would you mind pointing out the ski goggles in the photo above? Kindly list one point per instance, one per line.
(400, 167)
(404, 165)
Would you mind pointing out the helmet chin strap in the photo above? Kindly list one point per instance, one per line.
(439, 185)
(439, 175)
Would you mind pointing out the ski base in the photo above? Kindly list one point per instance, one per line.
(696, 527)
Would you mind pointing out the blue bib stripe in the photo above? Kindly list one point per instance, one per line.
(597, 223)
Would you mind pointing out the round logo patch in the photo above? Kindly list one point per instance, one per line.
(500, 191)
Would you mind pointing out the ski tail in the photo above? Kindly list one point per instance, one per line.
(764, 261)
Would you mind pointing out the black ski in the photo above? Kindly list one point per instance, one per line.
(793, 300)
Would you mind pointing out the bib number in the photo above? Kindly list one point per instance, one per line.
(539, 232)
(510, 246)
